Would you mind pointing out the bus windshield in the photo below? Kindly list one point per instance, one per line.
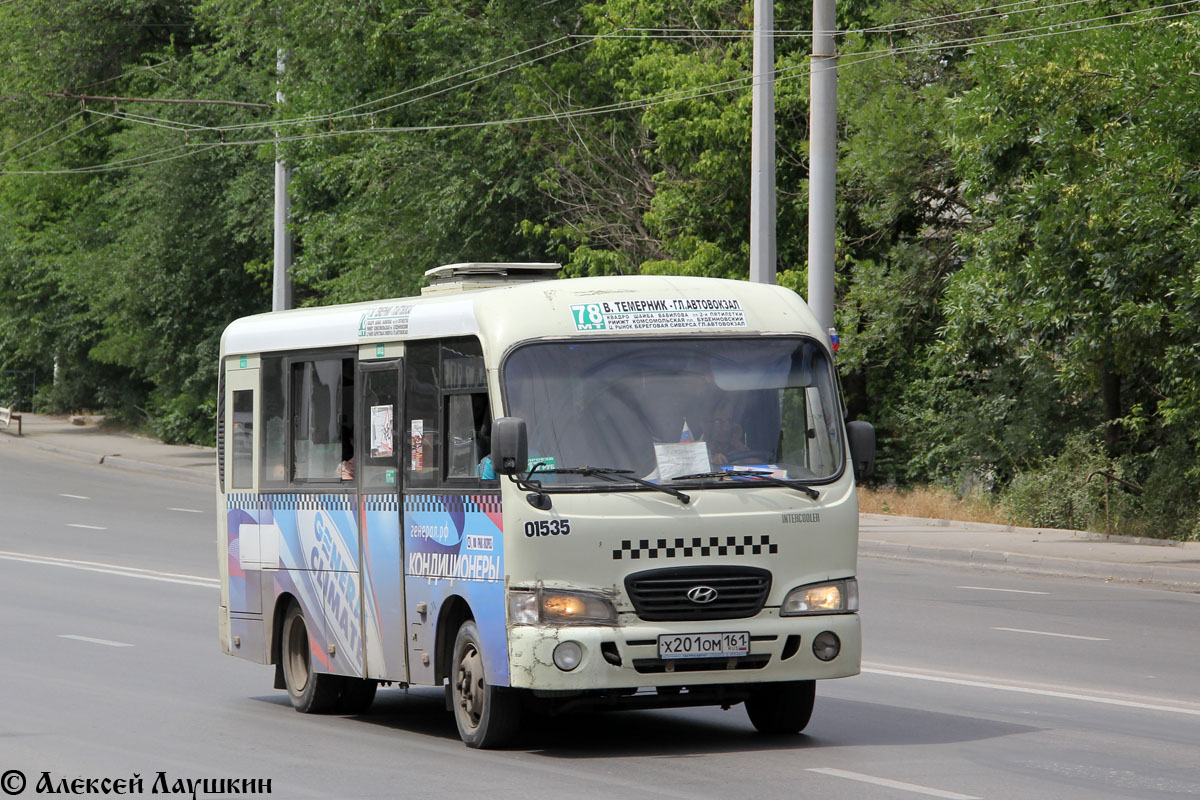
(678, 409)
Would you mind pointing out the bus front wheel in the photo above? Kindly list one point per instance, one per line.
(487, 716)
(781, 708)
(311, 692)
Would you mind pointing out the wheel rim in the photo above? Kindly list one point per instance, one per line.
(470, 686)
(297, 657)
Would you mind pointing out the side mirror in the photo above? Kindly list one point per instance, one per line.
(862, 447)
(510, 446)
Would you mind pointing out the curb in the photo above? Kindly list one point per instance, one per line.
(1180, 578)
(116, 461)
(989, 526)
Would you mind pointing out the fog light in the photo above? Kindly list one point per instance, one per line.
(568, 655)
(826, 646)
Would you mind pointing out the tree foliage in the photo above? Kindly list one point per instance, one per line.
(1018, 238)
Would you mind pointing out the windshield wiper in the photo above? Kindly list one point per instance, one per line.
(611, 474)
(750, 473)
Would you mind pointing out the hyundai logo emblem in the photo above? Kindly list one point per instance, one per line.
(701, 594)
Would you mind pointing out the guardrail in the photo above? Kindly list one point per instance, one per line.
(8, 416)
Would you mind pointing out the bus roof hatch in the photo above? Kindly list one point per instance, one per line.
(484, 275)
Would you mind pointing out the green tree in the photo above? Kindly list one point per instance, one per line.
(1077, 153)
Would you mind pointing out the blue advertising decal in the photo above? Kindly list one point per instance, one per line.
(454, 537)
(454, 546)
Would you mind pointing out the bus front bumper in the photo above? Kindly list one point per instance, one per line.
(627, 655)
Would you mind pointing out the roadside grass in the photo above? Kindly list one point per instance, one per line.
(930, 502)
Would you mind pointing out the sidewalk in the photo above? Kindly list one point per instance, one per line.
(1040, 551)
(112, 448)
(1018, 550)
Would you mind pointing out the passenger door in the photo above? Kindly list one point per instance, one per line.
(378, 449)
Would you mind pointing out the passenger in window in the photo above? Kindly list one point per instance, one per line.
(345, 470)
(483, 436)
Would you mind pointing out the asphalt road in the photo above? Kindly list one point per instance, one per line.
(975, 684)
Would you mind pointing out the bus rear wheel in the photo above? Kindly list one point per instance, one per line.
(781, 708)
(487, 716)
(311, 692)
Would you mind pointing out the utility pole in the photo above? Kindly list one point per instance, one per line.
(822, 161)
(762, 147)
(281, 288)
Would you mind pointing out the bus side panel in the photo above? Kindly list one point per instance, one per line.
(382, 598)
(318, 554)
(454, 546)
(244, 556)
(249, 637)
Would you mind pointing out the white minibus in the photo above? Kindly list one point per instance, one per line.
(542, 495)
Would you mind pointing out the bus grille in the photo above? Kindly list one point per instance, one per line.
(662, 594)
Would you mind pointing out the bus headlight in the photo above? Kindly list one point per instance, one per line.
(831, 597)
(559, 607)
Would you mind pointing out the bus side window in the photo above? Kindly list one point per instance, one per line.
(420, 430)
(274, 433)
(466, 413)
(468, 427)
(243, 440)
(319, 420)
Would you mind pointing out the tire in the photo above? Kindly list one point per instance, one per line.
(357, 695)
(487, 716)
(781, 708)
(311, 692)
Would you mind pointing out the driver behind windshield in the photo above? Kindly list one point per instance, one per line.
(724, 435)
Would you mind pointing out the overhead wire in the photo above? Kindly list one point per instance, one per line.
(1038, 32)
(848, 59)
(723, 87)
(27, 156)
(904, 26)
(41, 133)
(344, 113)
(112, 166)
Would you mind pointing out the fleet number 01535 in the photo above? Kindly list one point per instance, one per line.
(548, 527)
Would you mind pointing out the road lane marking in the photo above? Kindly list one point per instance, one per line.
(108, 642)
(113, 569)
(88, 527)
(185, 510)
(993, 589)
(75, 496)
(1193, 711)
(1059, 635)
(907, 787)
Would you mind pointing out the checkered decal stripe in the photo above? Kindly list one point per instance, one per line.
(244, 501)
(486, 503)
(451, 503)
(381, 502)
(298, 502)
(696, 546)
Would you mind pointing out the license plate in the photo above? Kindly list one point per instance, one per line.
(704, 645)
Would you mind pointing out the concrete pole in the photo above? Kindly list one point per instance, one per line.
(822, 159)
(281, 289)
(762, 147)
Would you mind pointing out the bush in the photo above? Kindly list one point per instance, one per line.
(183, 420)
(1054, 494)
(1057, 494)
(1169, 506)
